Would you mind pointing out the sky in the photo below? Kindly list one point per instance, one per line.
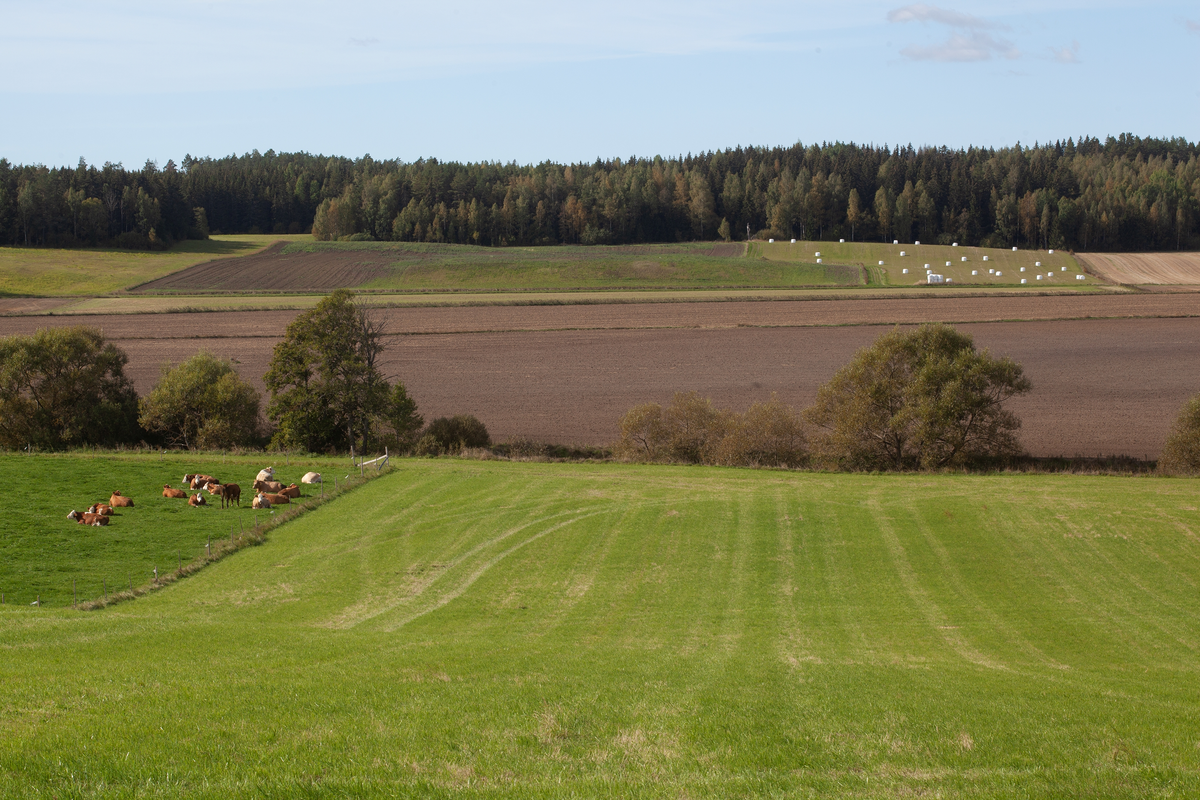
(534, 80)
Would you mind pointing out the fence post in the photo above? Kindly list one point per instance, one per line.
(106, 590)
(74, 594)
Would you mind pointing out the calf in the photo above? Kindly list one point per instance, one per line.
(119, 501)
(292, 491)
(95, 520)
(260, 501)
(229, 493)
(173, 493)
(267, 486)
(197, 500)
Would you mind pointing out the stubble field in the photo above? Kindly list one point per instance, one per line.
(1167, 269)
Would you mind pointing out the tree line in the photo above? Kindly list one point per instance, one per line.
(66, 387)
(1125, 193)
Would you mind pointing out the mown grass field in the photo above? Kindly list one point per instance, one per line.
(489, 629)
(1058, 269)
(463, 267)
(44, 555)
(49, 272)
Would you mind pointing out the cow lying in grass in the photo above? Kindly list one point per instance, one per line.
(292, 491)
(95, 520)
(197, 500)
(276, 499)
(177, 494)
(120, 501)
(267, 486)
(311, 477)
(101, 508)
(260, 501)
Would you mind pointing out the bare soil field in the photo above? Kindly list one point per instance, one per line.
(272, 271)
(566, 374)
(1169, 269)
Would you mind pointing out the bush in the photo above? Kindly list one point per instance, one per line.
(453, 434)
(921, 399)
(692, 431)
(1181, 453)
(65, 387)
(202, 403)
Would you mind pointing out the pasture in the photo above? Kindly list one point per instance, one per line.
(309, 266)
(1058, 269)
(44, 555)
(488, 629)
(53, 272)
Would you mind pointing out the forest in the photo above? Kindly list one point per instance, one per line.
(1126, 193)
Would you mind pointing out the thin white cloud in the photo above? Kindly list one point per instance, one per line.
(920, 12)
(1066, 55)
(968, 41)
(1193, 27)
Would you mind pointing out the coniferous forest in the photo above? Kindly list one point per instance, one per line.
(1126, 193)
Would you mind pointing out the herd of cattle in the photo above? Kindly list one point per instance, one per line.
(267, 492)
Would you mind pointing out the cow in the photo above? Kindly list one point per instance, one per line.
(260, 501)
(229, 493)
(173, 493)
(212, 487)
(200, 481)
(276, 499)
(101, 508)
(95, 520)
(311, 477)
(292, 491)
(197, 500)
(120, 501)
(267, 486)
(267, 474)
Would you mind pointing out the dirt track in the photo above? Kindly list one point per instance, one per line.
(1101, 386)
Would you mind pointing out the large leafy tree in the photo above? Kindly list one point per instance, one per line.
(202, 403)
(327, 391)
(919, 399)
(65, 387)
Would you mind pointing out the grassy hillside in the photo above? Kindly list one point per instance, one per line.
(689, 265)
(52, 272)
(483, 629)
(869, 254)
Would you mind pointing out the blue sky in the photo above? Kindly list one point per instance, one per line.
(531, 81)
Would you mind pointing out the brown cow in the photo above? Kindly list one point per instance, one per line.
(229, 493)
(277, 499)
(197, 500)
(292, 491)
(101, 508)
(267, 486)
(95, 520)
(200, 481)
(260, 501)
(119, 501)
(173, 493)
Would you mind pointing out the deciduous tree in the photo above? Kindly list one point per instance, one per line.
(202, 403)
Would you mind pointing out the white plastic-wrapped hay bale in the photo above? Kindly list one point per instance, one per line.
(1080, 277)
(991, 272)
(926, 267)
(954, 245)
(904, 272)
(793, 241)
(998, 273)
(770, 241)
(895, 241)
(818, 261)
(1037, 263)
(1014, 249)
(881, 263)
(1022, 280)
(918, 242)
(1022, 269)
(974, 272)
(935, 278)
(841, 241)
(902, 252)
(1051, 252)
(818, 254)
(964, 258)
(985, 258)
(947, 263)
(1039, 277)
(949, 280)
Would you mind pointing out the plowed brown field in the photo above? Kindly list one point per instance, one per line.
(567, 373)
(1168, 269)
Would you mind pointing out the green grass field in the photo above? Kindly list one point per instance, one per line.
(492, 629)
(686, 265)
(1058, 269)
(52, 272)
